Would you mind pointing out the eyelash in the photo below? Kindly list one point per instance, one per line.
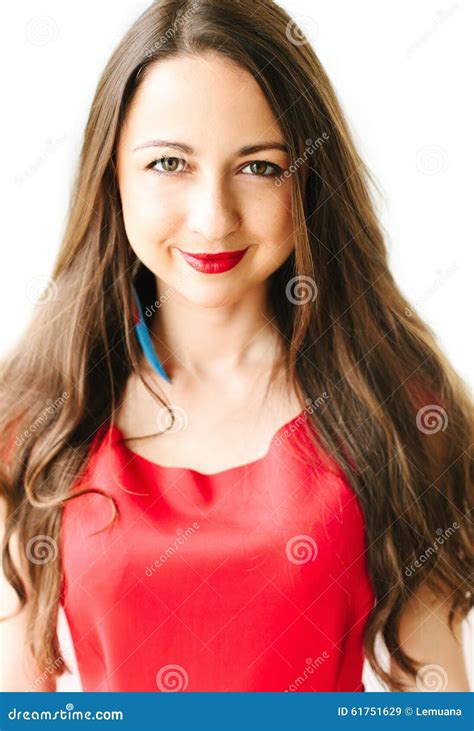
(277, 169)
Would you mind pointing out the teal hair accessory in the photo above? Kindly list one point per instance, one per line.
(144, 339)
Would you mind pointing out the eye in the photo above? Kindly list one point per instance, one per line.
(262, 168)
(169, 165)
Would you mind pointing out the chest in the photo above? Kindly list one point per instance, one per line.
(205, 431)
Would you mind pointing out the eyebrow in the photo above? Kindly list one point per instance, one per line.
(243, 151)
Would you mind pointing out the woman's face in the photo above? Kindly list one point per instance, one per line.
(186, 185)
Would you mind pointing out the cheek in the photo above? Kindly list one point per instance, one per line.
(275, 224)
(149, 218)
(153, 216)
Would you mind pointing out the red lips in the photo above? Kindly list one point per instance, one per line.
(213, 263)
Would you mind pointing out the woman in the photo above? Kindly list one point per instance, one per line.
(222, 287)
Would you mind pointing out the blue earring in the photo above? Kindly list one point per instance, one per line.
(144, 338)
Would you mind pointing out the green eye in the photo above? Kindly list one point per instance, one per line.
(168, 165)
(171, 165)
(262, 168)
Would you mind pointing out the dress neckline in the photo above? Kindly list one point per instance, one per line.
(118, 438)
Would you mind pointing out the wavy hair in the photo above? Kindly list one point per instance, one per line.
(398, 419)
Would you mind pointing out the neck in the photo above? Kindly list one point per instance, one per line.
(211, 342)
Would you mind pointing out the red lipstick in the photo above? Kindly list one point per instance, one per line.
(213, 263)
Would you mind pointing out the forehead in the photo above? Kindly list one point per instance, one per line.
(203, 100)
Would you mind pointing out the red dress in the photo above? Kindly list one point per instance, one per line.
(249, 579)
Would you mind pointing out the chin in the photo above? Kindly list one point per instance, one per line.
(213, 296)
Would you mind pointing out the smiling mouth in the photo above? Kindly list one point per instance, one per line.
(209, 263)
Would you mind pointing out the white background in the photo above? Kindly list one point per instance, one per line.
(402, 71)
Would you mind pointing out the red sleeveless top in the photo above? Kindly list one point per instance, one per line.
(249, 579)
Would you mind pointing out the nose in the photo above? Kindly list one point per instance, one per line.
(213, 212)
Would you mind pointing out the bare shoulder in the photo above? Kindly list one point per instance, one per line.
(426, 636)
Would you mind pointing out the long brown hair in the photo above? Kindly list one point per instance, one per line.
(397, 419)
